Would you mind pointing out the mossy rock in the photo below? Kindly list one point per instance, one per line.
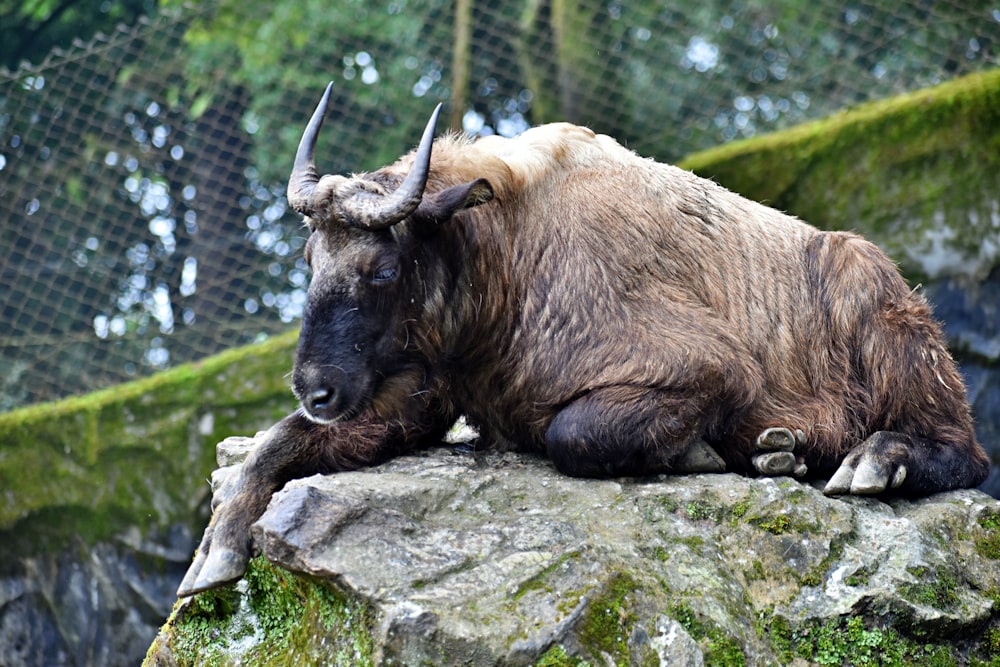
(137, 454)
(264, 620)
(540, 569)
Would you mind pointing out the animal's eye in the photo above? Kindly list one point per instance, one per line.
(384, 275)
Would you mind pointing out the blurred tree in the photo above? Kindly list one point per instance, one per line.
(30, 30)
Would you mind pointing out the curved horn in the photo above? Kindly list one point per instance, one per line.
(303, 180)
(384, 212)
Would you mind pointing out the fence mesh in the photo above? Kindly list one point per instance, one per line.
(142, 214)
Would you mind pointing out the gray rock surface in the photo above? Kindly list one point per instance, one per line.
(88, 605)
(497, 559)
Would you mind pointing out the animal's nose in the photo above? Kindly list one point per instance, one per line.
(320, 399)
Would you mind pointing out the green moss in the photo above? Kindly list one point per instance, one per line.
(858, 578)
(693, 542)
(740, 509)
(700, 511)
(988, 541)
(720, 650)
(991, 646)
(813, 579)
(538, 582)
(608, 622)
(557, 657)
(779, 631)
(756, 572)
(83, 464)
(816, 575)
(934, 588)
(776, 525)
(851, 641)
(277, 616)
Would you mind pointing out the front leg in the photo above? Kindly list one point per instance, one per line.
(909, 464)
(294, 447)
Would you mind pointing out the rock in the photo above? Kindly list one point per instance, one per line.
(92, 605)
(497, 559)
(103, 496)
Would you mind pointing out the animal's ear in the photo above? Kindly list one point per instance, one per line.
(439, 207)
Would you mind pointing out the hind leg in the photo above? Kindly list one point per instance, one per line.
(625, 430)
(913, 465)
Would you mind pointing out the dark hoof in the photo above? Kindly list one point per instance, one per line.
(773, 464)
(776, 458)
(700, 457)
(779, 440)
(187, 584)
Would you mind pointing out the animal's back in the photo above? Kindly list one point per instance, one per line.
(628, 267)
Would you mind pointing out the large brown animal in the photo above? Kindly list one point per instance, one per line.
(621, 316)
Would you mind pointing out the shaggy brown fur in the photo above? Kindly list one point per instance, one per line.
(609, 311)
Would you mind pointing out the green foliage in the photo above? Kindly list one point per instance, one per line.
(699, 511)
(740, 509)
(200, 637)
(858, 578)
(31, 29)
(375, 53)
(991, 647)
(934, 588)
(776, 525)
(557, 657)
(851, 642)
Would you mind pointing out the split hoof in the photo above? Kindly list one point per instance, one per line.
(866, 479)
(221, 566)
(774, 464)
(191, 576)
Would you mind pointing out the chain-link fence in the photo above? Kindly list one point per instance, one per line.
(142, 215)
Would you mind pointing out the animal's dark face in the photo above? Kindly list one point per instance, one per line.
(373, 268)
(355, 334)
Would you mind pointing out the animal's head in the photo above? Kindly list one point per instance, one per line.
(371, 251)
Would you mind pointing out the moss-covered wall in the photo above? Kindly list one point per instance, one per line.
(135, 455)
(919, 174)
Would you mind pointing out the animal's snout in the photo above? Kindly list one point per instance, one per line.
(328, 392)
(320, 399)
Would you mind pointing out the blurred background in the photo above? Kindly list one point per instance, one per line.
(144, 148)
(144, 145)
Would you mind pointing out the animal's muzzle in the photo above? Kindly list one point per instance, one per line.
(321, 403)
(325, 396)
